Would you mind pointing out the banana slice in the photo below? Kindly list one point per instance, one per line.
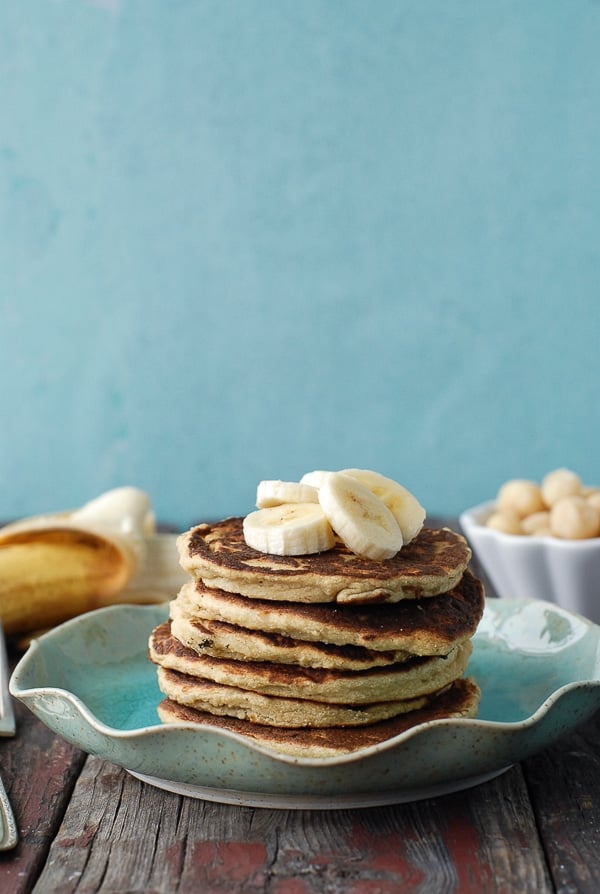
(405, 508)
(275, 493)
(292, 529)
(314, 479)
(359, 517)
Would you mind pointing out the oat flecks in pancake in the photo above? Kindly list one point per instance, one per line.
(430, 564)
(423, 627)
(414, 678)
(256, 707)
(322, 654)
(461, 699)
(221, 639)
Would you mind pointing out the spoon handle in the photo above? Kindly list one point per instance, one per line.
(8, 827)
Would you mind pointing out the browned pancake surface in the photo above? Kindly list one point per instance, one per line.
(431, 563)
(409, 679)
(461, 699)
(421, 626)
(211, 637)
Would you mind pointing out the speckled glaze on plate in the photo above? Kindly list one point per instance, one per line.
(90, 681)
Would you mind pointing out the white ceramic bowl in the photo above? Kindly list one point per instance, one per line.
(565, 572)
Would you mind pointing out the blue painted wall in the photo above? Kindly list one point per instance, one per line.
(243, 239)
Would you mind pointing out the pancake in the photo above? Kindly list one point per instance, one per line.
(420, 626)
(271, 710)
(319, 654)
(432, 563)
(407, 680)
(461, 699)
(222, 640)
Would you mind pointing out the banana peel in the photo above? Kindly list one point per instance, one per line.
(53, 567)
(57, 575)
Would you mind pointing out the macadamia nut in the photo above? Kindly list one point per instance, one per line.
(558, 484)
(561, 506)
(521, 497)
(507, 522)
(574, 518)
(537, 523)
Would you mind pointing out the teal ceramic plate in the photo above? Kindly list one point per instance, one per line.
(90, 681)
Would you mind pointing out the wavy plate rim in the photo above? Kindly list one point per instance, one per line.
(434, 758)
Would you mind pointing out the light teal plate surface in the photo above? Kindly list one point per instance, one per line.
(90, 681)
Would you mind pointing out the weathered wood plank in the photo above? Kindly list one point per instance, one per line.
(39, 772)
(119, 834)
(564, 783)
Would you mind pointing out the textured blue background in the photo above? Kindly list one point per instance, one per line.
(243, 239)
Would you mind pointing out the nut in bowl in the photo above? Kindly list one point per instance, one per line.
(559, 564)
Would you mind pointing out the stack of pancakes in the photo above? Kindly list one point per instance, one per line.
(321, 654)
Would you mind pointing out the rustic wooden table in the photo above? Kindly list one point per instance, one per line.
(86, 825)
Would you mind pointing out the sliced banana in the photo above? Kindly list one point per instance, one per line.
(359, 517)
(292, 529)
(276, 493)
(405, 507)
(314, 479)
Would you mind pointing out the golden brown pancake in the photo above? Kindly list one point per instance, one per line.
(220, 639)
(431, 564)
(270, 710)
(407, 680)
(420, 626)
(319, 654)
(460, 699)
